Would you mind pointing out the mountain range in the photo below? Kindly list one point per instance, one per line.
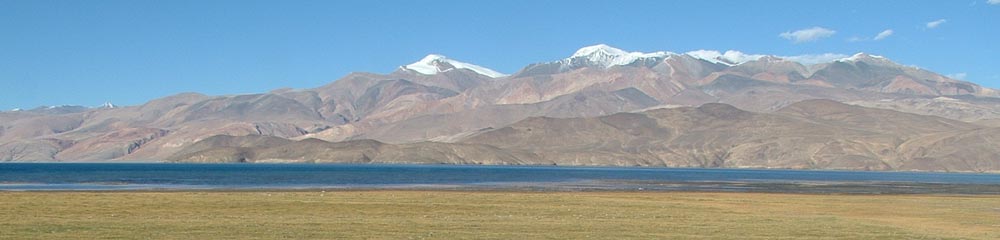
(599, 106)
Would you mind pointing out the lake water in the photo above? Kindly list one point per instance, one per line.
(168, 176)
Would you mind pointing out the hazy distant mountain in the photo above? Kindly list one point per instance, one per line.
(439, 103)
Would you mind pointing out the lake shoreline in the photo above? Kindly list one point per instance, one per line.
(493, 165)
(132, 177)
(826, 188)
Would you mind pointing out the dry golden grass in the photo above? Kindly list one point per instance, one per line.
(493, 215)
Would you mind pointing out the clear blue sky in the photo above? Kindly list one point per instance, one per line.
(129, 52)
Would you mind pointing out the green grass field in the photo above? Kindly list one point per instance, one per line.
(492, 215)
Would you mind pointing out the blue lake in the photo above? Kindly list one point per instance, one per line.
(167, 176)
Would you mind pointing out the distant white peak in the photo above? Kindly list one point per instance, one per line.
(607, 56)
(861, 56)
(434, 64)
(707, 55)
(598, 49)
(770, 58)
(729, 58)
(738, 57)
(16, 110)
(108, 105)
(811, 59)
(61, 106)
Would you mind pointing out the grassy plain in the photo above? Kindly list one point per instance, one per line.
(493, 215)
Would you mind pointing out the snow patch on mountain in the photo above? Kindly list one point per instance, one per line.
(434, 64)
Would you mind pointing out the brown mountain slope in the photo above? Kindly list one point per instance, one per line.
(831, 136)
(872, 119)
(977, 150)
(103, 134)
(713, 135)
(429, 127)
(965, 108)
(814, 134)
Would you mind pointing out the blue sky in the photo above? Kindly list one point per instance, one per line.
(129, 52)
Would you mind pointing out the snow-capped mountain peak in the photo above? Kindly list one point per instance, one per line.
(729, 58)
(607, 56)
(598, 49)
(434, 64)
(872, 59)
(108, 105)
(861, 56)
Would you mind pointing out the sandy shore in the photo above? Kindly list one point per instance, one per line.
(395, 214)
